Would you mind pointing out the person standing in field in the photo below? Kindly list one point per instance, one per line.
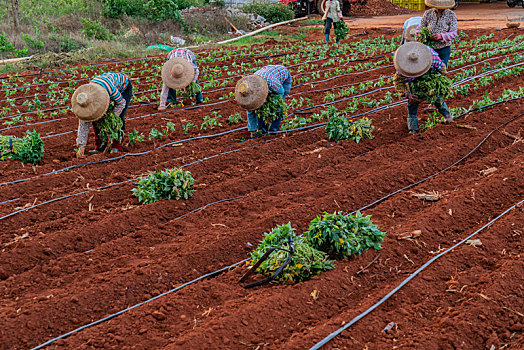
(442, 23)
(332, 15)
(176, 74)
(413, 60)
(91, 103)
(253, 90)
(411, 26)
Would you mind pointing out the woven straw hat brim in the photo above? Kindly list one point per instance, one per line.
(412, 59)
(256, 94)
(182, 81)
(410, 34)
(440, 4)
(96, 105)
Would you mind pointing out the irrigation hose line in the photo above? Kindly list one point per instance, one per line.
(409, 278)
(334, 334)
(107, 318)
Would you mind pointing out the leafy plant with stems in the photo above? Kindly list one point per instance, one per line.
(234, 118)
(342, 235)
(431, 86)
(190, 91)
(134, 137)
(110, 129)
(173, 183)
(28, 149)
(273, 108)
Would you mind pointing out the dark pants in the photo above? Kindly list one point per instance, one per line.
(171, 96)
(444, 54)
(100, 144)
(327, 28)
(413, 110)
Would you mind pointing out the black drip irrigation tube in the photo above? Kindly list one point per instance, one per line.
(331, 336)
(409, 278)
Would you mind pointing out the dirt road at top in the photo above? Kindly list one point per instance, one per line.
(470, 16)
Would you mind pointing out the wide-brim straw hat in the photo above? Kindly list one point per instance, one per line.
(90, 102)
(177, 73)
(440, 4)
(251, 92)
(410, 34)
(412, 59)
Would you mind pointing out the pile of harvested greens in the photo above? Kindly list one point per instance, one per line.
(28, 149)
(424, 37)
(341, 30)
(190, 91)
(272, 109)
(110, 128)
(431, 86)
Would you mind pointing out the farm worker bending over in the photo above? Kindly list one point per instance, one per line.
(252, 91)
(411, 26)
(91, 105)
(332, 15)
(179, 72)
(442, 23)
(412, 60)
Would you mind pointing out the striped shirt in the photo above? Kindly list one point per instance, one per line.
(275, 76)
(188, 55)
(114, 83)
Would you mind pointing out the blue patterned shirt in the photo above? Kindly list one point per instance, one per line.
(436, 63)
(275, 76)
(114, 83)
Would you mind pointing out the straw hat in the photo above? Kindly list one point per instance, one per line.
(251, 92)
(440, 4)
(410, 34)
(90, 102)
(177, 73)
(412, 59)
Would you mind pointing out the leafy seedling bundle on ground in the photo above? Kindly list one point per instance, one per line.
(110, 129)
(341, 30)
(272, 109)
(164, 184)
(339, 128)
(28, 149)
(431, 86)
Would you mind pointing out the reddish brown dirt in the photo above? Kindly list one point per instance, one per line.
(70, 262)
(378, 8)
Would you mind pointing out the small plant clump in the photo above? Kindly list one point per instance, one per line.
(165, 184)
(272, 109)
(339, 128)
(190, 91)
(110, 129)
(424, 37)
(431, 86)
(343, 235)
(28, 149)
(361, 129)
(305, 263)
(134, 137)
(341, 30)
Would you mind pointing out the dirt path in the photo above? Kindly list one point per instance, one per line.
(470, 16)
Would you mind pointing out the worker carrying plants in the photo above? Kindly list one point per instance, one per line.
(102, 102)
(262, 94)
(421, 76)
(179, 72)
(411, 28)
(332, 15)
(442, 24)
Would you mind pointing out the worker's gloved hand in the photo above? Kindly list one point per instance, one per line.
(81, 152)
(437, 37)
(413, 99)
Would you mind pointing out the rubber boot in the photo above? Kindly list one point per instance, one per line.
(412, 124)
(327, 38)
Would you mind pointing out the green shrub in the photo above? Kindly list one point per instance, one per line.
(5, 44)
(305, 263)
(337, 127)
(69, 44)
(342, 235)
(272, 12)
(154, 10)
(95, 30)
(28, 149)
(35, 42)
(166, 184)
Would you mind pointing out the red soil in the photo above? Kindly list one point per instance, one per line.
(74, 261)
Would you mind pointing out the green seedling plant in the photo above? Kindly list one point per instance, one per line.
(186, 127)
(173, 183)
(110, 129)
(273, 108)
(28, 149)
(234, 118)
(209, 123)
(134, 137)
(155, 134)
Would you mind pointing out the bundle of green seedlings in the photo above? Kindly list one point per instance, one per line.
(165, 184)
(110, 129)
(431, 86)
(339, 128)
(272, 109)
(343, 235)
(28, 149)
(190, 91)
(341, 30)
(306, 261)
(424, 37)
